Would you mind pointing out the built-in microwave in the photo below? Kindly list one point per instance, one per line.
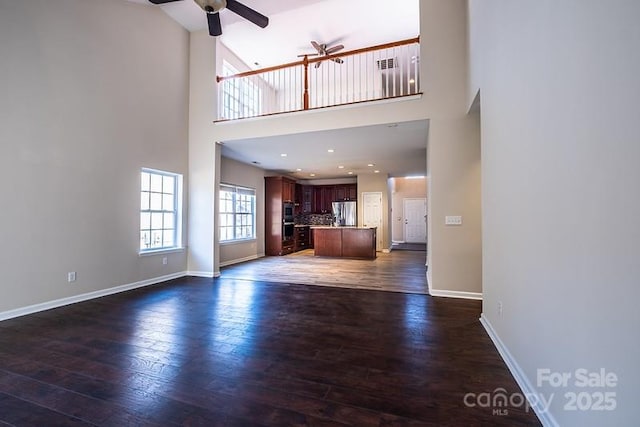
(287, 212)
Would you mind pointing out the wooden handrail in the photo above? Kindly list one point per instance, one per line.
(306, 60)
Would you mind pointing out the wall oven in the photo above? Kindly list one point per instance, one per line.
(287, 231)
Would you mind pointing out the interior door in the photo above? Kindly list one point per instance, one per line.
(415, 220)
(372, 214)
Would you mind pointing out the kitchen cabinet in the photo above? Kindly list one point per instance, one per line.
(288, 190)
(307, 202)
(324, 195)
(345, 192)
(278, 238)
(352, 192)
(347, 242)
(302, 236)
(327, 242)
(297, 200)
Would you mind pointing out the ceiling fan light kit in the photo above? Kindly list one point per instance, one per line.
(213, 8)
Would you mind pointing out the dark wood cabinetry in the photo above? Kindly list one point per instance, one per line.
(278, 190)
(302, 236)
(348, 242)
(288, 190)
(327, 242)
(323, 195)
(307, 202)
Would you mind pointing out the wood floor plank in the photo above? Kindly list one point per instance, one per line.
(232, 351)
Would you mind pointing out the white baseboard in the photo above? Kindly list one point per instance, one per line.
(23, 311)
(455, 294)
(518, 374)
(205, 274)
(239, 260)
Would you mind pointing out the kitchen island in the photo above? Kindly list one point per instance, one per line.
(346, 242)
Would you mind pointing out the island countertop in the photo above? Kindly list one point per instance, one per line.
(347, 242)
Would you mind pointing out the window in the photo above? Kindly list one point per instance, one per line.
(240, 97)
(237, 213)
(160, 209)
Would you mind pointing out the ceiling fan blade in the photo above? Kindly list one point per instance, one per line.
(318, 64)
(162, 1)
(334, 49)
(215, 28)
(337, 60)
(247, 13)
(316, 46)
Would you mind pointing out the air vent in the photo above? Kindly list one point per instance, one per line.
(385, 64)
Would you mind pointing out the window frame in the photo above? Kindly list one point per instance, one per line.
(176, 193)
(235, 214)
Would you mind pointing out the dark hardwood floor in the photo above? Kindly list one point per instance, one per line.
(235, 352)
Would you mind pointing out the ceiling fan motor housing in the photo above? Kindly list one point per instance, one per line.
(212, 6)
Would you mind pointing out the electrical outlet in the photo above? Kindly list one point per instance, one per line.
(71, 276)
(164, 260)
(499, 308)
(453, 220)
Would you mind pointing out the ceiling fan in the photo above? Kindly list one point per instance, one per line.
(213, 7)
(323, 50)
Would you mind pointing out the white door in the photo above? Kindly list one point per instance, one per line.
(415, 220)
(372, 214)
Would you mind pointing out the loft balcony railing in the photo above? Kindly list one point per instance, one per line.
(378, 72)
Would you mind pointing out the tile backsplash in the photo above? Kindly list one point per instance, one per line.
(314, 219)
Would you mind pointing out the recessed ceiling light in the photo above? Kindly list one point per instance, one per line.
(283, 155)
(330, 150)
(376, 171)
(350, 173)
(340, 167)
(312, 174)
(370, 165)
(299, 170)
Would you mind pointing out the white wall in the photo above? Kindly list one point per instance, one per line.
(203, 154)
(236, 173)
(92, 91)
(559, 96)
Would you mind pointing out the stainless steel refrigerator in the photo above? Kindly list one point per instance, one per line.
(344, 214)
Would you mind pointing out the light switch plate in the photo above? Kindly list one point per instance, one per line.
(453, 220)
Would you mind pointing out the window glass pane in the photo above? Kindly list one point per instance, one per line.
(156, 239)
(169, 221)
(156, 202)
(156, 220)
(144, 181)
(144, 201)
(156, 183)
(167, 202)
(145, 221)
(145, 239)
(225, 234)
(168, 238)
(168, 184)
